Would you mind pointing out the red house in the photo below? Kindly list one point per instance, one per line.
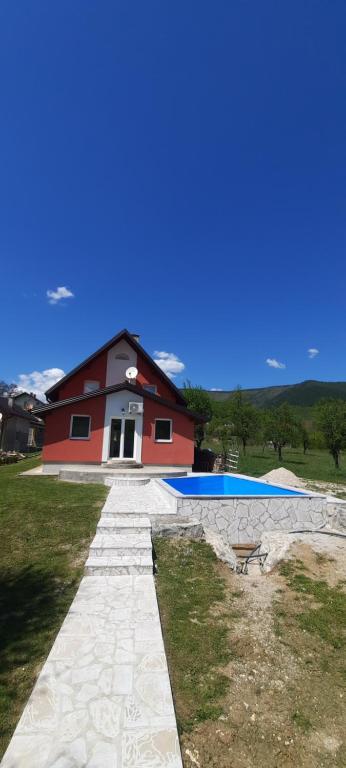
(97, 414)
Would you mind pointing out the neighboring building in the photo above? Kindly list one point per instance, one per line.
(96, 415)
(26, 400)
(20, 429)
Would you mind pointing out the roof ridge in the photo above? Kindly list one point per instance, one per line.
(135, 344)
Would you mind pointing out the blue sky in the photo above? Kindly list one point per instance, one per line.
(180, 168)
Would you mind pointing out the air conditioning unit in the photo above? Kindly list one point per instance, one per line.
(135, 407)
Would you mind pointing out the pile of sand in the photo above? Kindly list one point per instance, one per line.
(283, 476)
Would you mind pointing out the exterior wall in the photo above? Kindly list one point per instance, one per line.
(96, 370)
(147, 375)
(117, 407)
(109, 370)
(16, 434)
(241, 521)
(180, 452)
(26, 401)
(57, 445)
(116, 369)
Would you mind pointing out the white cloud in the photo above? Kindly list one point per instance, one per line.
(274, 363)
(312, 352)
(169, 363)
(216, 389)
(39, 381)
(60, 293)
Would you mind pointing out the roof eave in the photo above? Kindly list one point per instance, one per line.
(117, 388)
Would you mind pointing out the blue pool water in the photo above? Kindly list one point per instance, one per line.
(226, 485)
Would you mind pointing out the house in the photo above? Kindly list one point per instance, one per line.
(20, 429)
(98, 414)
(26, 400)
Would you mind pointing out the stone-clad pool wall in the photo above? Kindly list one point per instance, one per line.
(241, 520)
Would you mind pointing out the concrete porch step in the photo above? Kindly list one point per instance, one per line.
(123, 524)
(118, 545)
(126, 464)
(116, 566)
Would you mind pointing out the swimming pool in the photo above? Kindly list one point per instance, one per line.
(240, 508)
(226, 485)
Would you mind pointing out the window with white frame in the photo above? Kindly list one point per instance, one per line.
(150, 388)
(80, 427)
(90, 385)
(31, 437)
(163, 430)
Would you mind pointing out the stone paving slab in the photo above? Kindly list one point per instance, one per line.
(147, 500)
(130, 564)
(120, 540)
(103, 698)
(122, 522)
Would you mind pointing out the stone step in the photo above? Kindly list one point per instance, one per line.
(116, 566)
(132, 515)
(123, 464)
(120, 545)
(123, 524)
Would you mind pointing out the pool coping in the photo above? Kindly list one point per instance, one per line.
(296, 491)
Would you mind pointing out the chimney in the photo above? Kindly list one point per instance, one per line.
(135, 336)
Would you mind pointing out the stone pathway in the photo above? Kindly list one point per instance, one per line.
(103, 698)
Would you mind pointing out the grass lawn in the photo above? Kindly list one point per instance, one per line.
(314, 465)
(257, 664)
(46, 528)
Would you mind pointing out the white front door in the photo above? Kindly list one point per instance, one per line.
(122, 439)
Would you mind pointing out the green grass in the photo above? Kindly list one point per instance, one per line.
(195, 628)
(301, 720)
(46, 528)
(327, 617)
(314, 465)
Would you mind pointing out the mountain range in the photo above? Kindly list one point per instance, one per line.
(305, 394)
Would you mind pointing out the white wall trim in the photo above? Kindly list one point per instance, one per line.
(117, 366)
(171, 437)
(117, 407)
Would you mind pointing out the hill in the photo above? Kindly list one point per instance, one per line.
(305, 394)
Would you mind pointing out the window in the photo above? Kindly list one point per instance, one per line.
(150, 388)
(163, 430)
(31, 437)
(89, 386)
(122, 356)
(80, 428)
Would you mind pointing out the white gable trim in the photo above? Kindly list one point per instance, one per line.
(117, 366)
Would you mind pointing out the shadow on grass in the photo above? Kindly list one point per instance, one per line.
(33, 604)
(31, 600)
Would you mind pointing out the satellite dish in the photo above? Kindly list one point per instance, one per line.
(131, 373)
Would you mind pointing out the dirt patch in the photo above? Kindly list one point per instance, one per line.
(286, 703)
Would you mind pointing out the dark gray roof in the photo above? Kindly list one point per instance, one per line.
(117, 388)
(124, 334)
(13, 410)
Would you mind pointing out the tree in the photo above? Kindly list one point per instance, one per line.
(281, 428)
(245, 418)
(304, 437)
(6, 389)
(198, 400)
(331, 417)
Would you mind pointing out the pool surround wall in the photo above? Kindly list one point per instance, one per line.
(243, 519)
